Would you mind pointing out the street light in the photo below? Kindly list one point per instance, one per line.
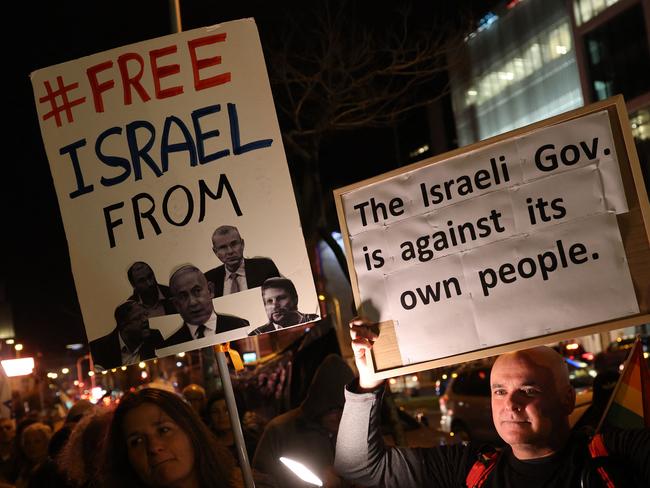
(18, 367)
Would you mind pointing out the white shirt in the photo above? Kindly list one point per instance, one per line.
(210, 324)
(129, 357)
(240, 276)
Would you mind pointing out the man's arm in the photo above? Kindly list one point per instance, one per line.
(361, 455)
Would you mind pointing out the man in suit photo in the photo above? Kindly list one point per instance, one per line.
(236, 273)
(281, 304)
(192, 295)
(130, 342)
(155, 297)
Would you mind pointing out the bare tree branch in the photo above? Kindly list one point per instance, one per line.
(335, 69)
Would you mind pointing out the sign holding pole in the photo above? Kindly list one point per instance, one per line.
(513, 241)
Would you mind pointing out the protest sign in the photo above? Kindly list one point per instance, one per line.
(168, 153)
(512, 241)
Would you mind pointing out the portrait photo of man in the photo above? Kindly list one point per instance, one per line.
(236, 272)
(130, 342)
(155, 297)
(192, 296)
(281, 305)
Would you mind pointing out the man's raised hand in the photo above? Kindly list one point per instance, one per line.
(363, 338)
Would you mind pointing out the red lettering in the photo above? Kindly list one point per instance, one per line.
(130, 82)
(199, 64)
(97, 87)
(163, 71)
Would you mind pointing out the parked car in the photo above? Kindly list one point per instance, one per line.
(617, 351)
(416, 434)
(465, 407)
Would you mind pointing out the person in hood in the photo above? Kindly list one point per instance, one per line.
(307, 434)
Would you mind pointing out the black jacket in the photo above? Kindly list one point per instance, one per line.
(106, 350)
(257, 271)
(224, 324)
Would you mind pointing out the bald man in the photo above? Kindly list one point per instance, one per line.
(531, 402)
(192, 295)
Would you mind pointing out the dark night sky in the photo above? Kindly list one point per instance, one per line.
(35, 266)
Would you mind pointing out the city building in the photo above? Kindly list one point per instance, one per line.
(531, 59)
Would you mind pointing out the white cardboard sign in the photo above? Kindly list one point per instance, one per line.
(155, 145)
(513, 241)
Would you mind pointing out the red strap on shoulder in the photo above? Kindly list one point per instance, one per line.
(597, 449)
(597, 446)
(481, 469)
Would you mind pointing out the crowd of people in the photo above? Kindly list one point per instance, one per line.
(152, 438)
(156, 437)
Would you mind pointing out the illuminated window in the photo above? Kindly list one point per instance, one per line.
(585, 10)
(556, 43)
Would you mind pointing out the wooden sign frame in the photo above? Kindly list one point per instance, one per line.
(634, 228)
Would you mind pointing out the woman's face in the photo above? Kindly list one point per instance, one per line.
(159, 451)
(219, 415)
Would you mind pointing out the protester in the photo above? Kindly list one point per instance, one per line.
(80, 459)
(531, 401)
(48, 474)
(34, 441)
(195, 395)
(8, 471)
(157, 440)
(218, 419)
(307, 434)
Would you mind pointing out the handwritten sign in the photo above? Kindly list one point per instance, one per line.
(511, 241)
(168, 153)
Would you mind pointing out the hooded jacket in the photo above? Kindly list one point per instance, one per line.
(298, 434)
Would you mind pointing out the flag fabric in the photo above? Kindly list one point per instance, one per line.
(629, 406)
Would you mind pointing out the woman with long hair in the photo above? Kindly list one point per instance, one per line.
(157, 440)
